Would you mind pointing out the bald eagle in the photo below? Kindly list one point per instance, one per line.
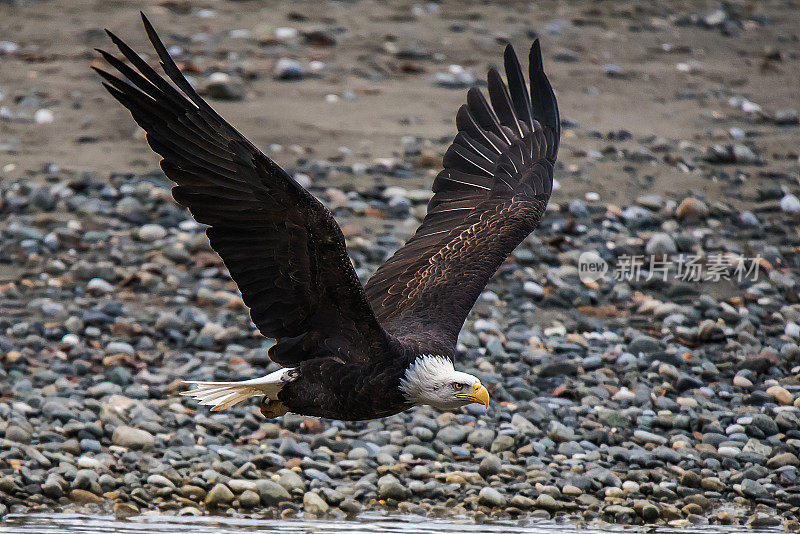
(351, 351)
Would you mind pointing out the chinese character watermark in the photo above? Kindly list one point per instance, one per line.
(683, 267)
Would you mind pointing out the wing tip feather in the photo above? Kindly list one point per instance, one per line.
(145, 20)
(510, 55)
(535, 57)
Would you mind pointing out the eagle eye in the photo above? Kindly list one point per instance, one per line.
(458, 386)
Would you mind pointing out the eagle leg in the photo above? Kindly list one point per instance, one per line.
(273, 408)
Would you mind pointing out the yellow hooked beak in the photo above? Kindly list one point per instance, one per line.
(479, 394)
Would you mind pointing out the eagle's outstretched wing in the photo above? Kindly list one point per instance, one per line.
(281, 246)
(497, 179)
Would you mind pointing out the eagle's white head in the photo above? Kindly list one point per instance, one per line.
(433, 380)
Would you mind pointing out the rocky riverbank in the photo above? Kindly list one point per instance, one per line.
(663, 393)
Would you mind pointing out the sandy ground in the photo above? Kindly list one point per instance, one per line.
(91, 133)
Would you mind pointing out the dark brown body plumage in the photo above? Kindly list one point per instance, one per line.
(350, 391)
(351, 344)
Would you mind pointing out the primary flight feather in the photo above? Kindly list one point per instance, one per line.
(349, 351)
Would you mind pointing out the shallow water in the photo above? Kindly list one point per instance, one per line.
(78, 524)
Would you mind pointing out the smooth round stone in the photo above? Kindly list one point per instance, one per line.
(742, 382)
(249, 499)
(503, 442)
(624, 394)
(629, 486)
(645, 344)
(792, 330)
(132, 438)
(129, 206)
(422, 433)
(152, 232)
(71, 340)
(783, 459)
(453, 434)
(649, 437)
(88, 462)
(238, 485)
(547, 502)
(691, 208)
(120, 347)
(753, 489)
(98, 285)
(160, 480)
(490, 465)
(43, 116)
(748, 218)
(219, 495)
(391, 488)
(460, 450)
(223, 86)
(577, 209)
(481, 438)
(288, 69)
(271, 492)
(491, 497)
(52, 487)
(522, 502)
(533, 289)
(314, 504)
(17, 434)
(730, 452)
(734, 429)
(790, 204)
(90, 445)
(781, 395)
(331, 496)
(660, 244)
(290, 480)
(358, 453)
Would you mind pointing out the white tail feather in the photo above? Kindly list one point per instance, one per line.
(222, 395)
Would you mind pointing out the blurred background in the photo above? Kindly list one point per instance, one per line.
(645, 88)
